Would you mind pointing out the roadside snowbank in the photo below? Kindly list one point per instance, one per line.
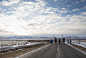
(82, 44)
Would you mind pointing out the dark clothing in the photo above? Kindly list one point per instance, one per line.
(59, 41)
(55, 40)
(70, 41)
(67, 41)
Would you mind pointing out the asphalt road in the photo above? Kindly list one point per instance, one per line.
(57, 51)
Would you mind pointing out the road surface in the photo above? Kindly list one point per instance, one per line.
(57, 51)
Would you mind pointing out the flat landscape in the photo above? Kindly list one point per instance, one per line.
(23, 47)
(13, 54)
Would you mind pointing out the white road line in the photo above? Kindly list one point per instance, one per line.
(57, 49)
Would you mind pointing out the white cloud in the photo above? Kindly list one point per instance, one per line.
(77, 22)
(66, 1)
(0, 9)
(13, 0)
(68, 15)
(84, 7)
(12, 25)
(63, 8)
(55, 0)
(1, 15)
(41, 26)
(68, 5)
(76, 9)
(30, 18)
(76, 2)
(54, 10)
(82, 0)
(83, 13)
(4, 9)
(6, 3)
(29, 9)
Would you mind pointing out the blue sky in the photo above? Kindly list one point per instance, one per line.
(32, 17)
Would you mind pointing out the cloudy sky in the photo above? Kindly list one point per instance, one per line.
(31, 17)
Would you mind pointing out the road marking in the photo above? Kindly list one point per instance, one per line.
(57, 49)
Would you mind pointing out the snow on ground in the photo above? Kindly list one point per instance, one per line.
(82, 44)
(34, 43)
(14, 46)
(5, 44)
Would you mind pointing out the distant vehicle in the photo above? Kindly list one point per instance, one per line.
(51, 41)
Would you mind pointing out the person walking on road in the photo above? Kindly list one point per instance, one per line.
(55, 40)
(59, 41)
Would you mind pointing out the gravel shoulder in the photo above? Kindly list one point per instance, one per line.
(16, 53)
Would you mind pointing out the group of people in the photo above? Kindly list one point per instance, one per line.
(59, 40)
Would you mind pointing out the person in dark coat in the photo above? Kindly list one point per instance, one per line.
(59, 41)
(55, 40)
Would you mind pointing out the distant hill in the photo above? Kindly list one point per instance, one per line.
(32, 37)
(23, 37)
(74, 37)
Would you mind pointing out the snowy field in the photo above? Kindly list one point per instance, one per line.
(81, 43)
(11, 42)
(6, 46)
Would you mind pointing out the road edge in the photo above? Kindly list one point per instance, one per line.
(76, 48)
(29, 53)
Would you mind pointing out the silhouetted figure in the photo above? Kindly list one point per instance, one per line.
(70, 41)
(67, 41)
(55, 40)
(59, 41)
